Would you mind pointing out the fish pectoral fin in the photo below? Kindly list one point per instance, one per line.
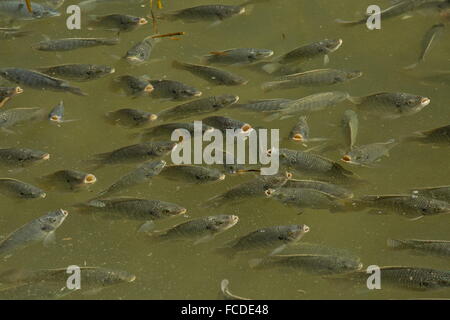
(278, 250)
(50, 239)
(203, 239)
(147, 226)
(326, 60)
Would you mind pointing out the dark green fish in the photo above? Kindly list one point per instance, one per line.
(78, 72)
(300, 132)
(307, 163)
(131, 117)
(350, 124)
(313, 263)
(134, 208)
(40, 229)
(437, 247)
(138, 176)
(165, 130)
(277, 237)
(6, 93)
(305, 53)
(118, 22)
(213, 75)
(16, 9)
(224, 123)
(305, 198)
(407, 205)
(326, 187)
(136, 153)
(253, 188)
(69, 180)
(427, 42)
(11, 117)
(37, 80)
(196, 107)
(134, 86)
(439, 135)
(141, 51)
(18, 189)
(170, 89)
(201, 229)
(390, 105)
(439, 193)
(57, 113)
(237, 56)
(367, 154)
(414, 278)
(265, 105)
(215, 13)
(17, 157)
(319, 77)
(73, 44)
(192, 173)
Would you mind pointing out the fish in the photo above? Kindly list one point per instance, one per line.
(238, 56)
(350, 125)
(197, 107)
(171, 89)
(131, 117)
(252, 188)
(319, 77)
(40, 229)
(37, 80)
(397, 9)
(133, 208)
(437, 136)
(224, 123)
(300, 132)
(141, 51)
(12, 117)
(313, 263)
(199, 230)
(214, 12)
(367, 154)
(436, 247)
(439, 193)
(213, 75)
(305, 53)
(78, 71)
(134, 86)
(265, 105)
(389, 105)
(167, 129)
(11, 34)
(69, 44)
(410, 206)
(337, 191)
(414, 278)
(6, 93)
(21, 157)
(307, 163)
(192, 173)
(136, 153)
(72, 180)
(312, 103)
(142, 174)
(19, 189)
(267, 239)
(117, 22)
(17, 9)
(89, 5)
(93, 279)
(305, 198)
(225, 292)
(427, 41)
(57, 113)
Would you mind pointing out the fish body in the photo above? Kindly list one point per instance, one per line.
(18, 189)
(78, 72)
(17, 10)
(192, 173)
(265, 105)
(134, 86)
(17, 157)
(131, 117)
(173, 90)
(366, 155)
(439, 193)
(121, 22)
(350, 125)
(167, 129)
(436, 247)
(11, 117)
(69, 44)
(37, 80)
(213, 75)
(237, 56)
(326, 187)
(439, 135)
(225, 123)
(215, 12)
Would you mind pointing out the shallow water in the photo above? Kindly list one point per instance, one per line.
(180, 270)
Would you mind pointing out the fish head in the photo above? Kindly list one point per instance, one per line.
(32, 192)
(353, 74)
(89, 179)
(100, 70)
(225, 100)
(331, 45)
(412, 103)
(111, 277)
(221, 222)
(52, 220)
(294, 233)
(154, 167)
(168, 209)
(186, 92)
(33, 155)
(356, 157)
(208, 175)
(163, 148)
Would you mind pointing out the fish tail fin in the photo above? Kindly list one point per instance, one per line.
(349, 23)
(269, 86)
(76, 90)
(271, 67)
(355, 100)
(395, 244)
(273, 116)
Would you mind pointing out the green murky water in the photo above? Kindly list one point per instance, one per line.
(180, 270)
